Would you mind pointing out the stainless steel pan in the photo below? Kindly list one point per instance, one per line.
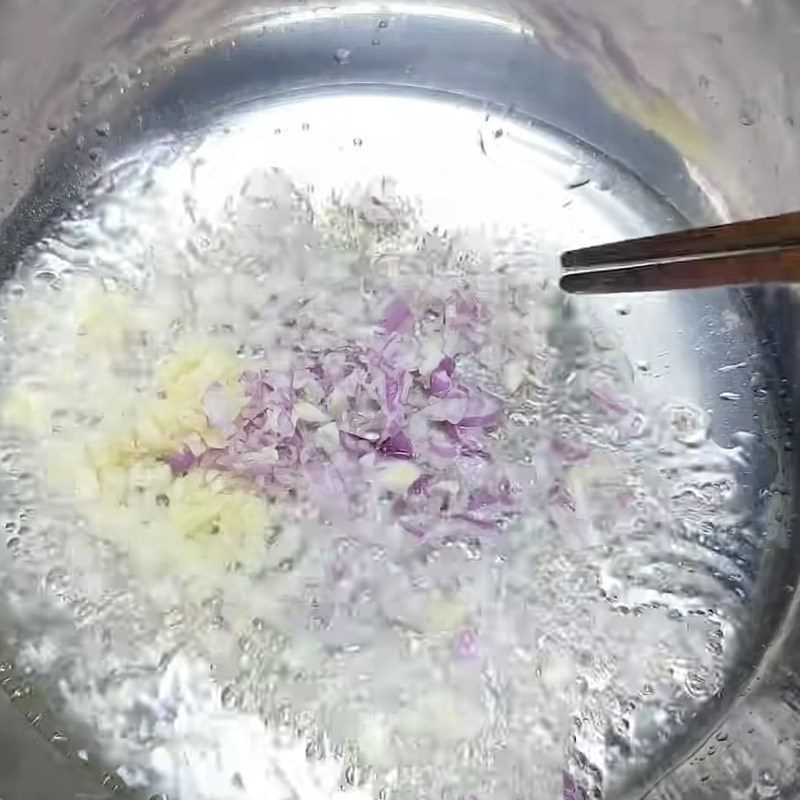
(658, 115)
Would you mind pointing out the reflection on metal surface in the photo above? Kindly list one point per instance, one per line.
(493, 122)
(382, 11)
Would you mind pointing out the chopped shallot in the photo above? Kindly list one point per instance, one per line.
(340, 419)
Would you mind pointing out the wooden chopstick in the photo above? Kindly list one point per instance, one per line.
(756, 251)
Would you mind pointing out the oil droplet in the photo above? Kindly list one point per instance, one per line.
(56, 579)
(342, 56)
(577, 178)
(750, 112)
(730, 396)
(732, 367)
(228, 697)
(766, 786)
(351, 775)
(173, 618)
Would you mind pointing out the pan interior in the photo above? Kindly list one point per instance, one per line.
(608, 637)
